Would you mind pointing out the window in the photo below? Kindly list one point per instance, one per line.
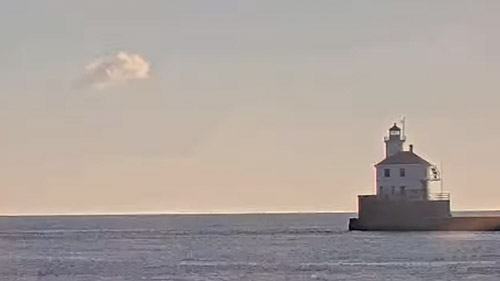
(402, 190)
(387, 173)
(402, 172)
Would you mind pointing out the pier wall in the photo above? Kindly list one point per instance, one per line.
(377, 211)
(442, 224)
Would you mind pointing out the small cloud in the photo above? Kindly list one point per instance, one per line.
(105, 72)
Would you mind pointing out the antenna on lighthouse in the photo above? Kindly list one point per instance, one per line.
(403, 125)
(441, 181)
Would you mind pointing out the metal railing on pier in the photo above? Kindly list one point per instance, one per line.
(439, 196)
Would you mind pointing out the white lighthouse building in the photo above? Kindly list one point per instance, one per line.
(403, 174)
(403, 201)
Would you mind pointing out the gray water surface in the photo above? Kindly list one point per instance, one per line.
(236, 247)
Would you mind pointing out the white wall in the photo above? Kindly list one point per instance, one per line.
(393, 146)
(414, 175)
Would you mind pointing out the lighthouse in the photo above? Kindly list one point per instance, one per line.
(402, 199)
(403, 174)
(403, 202)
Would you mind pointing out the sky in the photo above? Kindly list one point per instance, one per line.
(241, 106)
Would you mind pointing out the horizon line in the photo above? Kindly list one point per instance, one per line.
(191, 213)
(176, 213)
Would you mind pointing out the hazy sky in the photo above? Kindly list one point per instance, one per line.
(238, 106)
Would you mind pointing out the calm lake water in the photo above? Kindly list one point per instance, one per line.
(236, 247)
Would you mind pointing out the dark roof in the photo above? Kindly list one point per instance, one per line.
(403, 157)
(395, 128)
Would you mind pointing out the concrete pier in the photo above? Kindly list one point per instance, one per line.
(443, 224)
(379, 214)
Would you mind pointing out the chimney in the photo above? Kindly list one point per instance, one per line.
(411, 148)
